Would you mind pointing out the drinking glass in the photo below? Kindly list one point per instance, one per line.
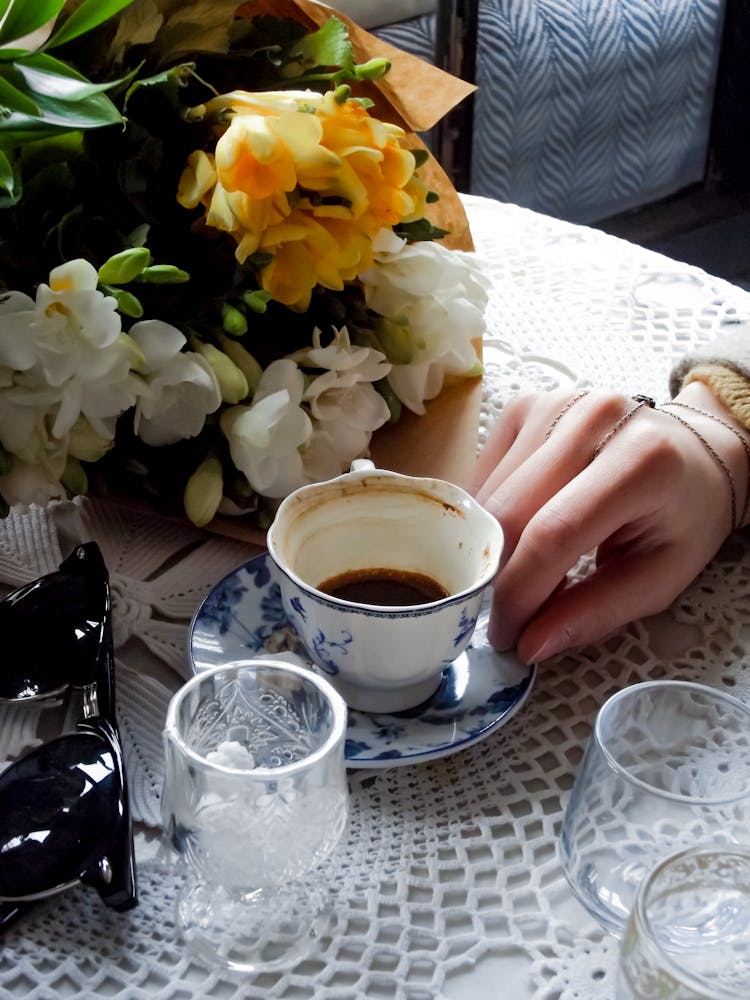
(255, 801)
(667, 768)
(688, 937)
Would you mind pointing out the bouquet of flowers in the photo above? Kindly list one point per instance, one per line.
(218, 273)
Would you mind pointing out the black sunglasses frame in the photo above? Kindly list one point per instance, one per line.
(64, 810)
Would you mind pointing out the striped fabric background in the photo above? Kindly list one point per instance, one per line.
(587, 108)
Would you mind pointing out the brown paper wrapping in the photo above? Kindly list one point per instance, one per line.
(415, 95)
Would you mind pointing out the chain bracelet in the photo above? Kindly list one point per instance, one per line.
(640, 401)
(563, 411)
(743, 441)
(716, 457)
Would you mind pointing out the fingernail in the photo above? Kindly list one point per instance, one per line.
(550, 647)
(499, 639)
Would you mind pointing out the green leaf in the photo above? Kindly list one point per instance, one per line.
(56, 118)
(46, 76)
(37, 156)
(9, 192)
(25, 16)
(139, 236)
(422, 229)
(40, 96)
(328, 46)
(17, 129)
(10, 55)
(172, 79)
(257, 261)
(90, 14)
(12, 97)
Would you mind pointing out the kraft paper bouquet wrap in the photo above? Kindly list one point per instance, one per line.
(228, 264)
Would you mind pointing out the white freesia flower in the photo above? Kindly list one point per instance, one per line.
(341, 355)
(180, 387)
(67, 350)
(345, 406)
(39, 459)
(320, 457)
(265, 438)
(16, 353)
(441, 295)
(28, 484)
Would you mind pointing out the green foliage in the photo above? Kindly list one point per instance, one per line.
(328, 46)
(422, 229)
(40, 95)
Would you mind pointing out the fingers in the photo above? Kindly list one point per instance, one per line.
(605, 500)
(622, 591)
(536, 467)
(501, 437)
(653, 504)
(574, 522)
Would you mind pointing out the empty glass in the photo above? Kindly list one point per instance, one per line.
(667, 768)
(688, 937)
(255, 801)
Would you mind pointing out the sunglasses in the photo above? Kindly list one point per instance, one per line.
(64, 815)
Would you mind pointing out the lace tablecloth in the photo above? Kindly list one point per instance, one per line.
(450, 884)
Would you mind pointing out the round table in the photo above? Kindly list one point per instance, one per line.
(450, 884)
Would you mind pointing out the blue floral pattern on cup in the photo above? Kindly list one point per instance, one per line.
(479, 691)
(466, 625)
(326, 649)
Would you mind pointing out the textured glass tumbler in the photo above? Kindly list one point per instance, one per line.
(688, 937)
(256, 801)
(667, 768)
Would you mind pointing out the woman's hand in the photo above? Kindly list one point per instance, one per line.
(654, 504)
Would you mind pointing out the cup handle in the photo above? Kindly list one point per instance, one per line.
(361, 465)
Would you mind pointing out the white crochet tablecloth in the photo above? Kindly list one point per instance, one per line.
(450, 884)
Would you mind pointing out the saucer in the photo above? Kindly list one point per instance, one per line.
(242, 617)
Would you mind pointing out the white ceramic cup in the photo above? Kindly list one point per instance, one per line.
(383, 658)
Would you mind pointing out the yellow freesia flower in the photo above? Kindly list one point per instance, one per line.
(306, 178)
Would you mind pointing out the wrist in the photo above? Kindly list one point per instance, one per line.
(710, 417)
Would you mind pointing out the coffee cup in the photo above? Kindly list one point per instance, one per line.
(382, 576)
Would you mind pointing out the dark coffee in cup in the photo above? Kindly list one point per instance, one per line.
(382, 587)
(382, 576)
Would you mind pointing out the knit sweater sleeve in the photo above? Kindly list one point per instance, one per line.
(724, 366)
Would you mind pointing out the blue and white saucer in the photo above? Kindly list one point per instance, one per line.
(242, 617)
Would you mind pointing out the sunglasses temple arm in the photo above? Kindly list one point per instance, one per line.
(10, 912)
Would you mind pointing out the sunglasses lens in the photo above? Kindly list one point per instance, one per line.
(54, 628)
(59, 807)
